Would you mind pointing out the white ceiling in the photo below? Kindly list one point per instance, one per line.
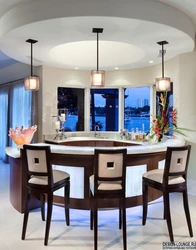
(63, 29)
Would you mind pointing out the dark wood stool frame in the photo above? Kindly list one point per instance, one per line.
(108, 194)
(167, 189)
(43, 190)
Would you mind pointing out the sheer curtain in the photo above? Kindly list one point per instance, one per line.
(15, 110)
(3, 121)
(20, 107)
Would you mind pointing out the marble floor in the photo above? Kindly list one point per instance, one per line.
(78, 236)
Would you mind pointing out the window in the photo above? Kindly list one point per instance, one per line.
(73, 100)
(137, 108)
(104, 109)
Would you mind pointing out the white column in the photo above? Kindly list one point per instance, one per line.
(152, 101)
(87, 109)
(121, 108)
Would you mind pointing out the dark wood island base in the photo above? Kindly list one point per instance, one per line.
(17, 179)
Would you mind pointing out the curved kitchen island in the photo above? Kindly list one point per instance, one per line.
(75, 155)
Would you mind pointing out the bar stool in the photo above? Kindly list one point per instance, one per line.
(108, 182)
(173, 178)
(43, 180)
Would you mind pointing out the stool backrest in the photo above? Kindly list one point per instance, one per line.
(37, 160)
(176, 164)
(110, 166)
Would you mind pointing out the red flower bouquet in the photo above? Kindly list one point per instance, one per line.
(166, 121)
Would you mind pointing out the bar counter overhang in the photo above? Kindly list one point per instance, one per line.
(78, 161)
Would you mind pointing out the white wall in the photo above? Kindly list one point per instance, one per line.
(181, 70)
(52, 79)
(55, 77)
(14, 72)
(187, 106)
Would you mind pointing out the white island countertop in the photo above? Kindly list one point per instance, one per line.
(145, 147)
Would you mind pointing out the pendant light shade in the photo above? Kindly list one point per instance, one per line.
(97, 76)
(31, 82)
(163, 83)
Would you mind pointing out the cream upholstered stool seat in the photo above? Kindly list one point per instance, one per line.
(108, 182)
(157, 175)
(173, 178)
(43, 180)
(105, 185)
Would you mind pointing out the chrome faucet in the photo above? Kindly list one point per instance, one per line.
(96, 127)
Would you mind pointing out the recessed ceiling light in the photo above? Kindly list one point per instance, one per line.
(151, 61)
(116, 68)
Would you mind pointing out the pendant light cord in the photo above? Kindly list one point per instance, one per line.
(31, 41)
(97, 51)
(162, 62)
(31, 59)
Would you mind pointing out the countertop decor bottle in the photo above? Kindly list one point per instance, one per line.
(136, 134)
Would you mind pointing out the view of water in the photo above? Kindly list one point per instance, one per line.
(136, 122)
(136, 107)
(131, 122)
(71, 122)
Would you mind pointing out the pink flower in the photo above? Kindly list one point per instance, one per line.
(174, 116)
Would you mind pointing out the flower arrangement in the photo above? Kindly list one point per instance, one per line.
(166, 120)
(21, 135)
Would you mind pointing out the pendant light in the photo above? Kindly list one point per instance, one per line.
(97, 76)
(31, 82)
(162, 83)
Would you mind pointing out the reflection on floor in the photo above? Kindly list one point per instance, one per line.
(78, 236)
